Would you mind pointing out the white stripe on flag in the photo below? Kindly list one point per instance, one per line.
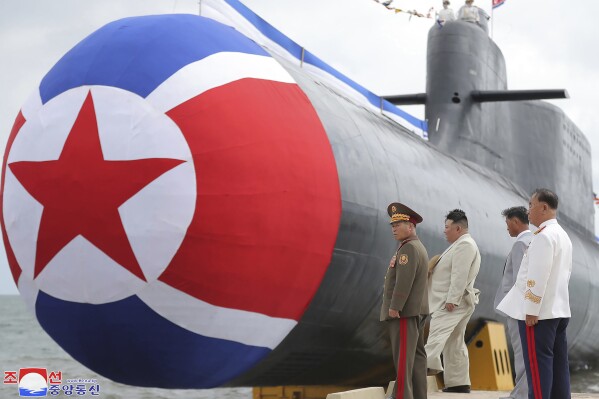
(222, 12)
(195, 315)
(32, 105)
(213, 71)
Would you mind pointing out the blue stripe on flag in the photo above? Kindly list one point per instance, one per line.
(154, 353)
(105, 58)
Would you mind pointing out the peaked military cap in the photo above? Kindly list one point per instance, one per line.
(401, 213)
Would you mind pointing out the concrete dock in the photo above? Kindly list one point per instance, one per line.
(494, 395)
(379, 393)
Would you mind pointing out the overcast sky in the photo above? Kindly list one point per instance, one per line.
(547, 44)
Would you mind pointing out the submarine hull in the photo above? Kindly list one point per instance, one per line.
(340, 339)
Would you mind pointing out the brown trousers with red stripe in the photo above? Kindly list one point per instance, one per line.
(409, 356)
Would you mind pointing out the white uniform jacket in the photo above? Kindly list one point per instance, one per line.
(445, 15)
(453, 278)
(541, 288)
(469, 14)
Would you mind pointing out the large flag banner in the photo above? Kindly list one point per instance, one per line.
(497, 3)
(124, 174)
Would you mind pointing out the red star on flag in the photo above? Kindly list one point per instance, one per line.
(81, 193)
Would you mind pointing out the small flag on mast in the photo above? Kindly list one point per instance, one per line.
(497, 3)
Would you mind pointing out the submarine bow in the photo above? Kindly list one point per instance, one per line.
(160, 188)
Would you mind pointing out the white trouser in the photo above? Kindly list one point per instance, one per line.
(446, 337)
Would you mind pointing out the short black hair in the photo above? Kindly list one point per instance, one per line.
(458, 216)
(519, 212)
(547, 196)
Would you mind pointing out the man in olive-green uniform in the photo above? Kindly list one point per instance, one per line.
(405, 304)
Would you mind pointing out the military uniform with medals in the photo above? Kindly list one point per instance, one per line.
(405, 290)
(541, 289)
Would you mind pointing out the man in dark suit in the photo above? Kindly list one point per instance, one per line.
(516, 219)
(405, 304)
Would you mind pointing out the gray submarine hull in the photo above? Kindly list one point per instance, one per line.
(482, 158)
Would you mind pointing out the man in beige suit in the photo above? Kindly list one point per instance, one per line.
(452, 296)
(405, 304)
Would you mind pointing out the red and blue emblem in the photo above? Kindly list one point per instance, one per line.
(33, 382)
(170, 202)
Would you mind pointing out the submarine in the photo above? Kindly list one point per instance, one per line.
(266, 267)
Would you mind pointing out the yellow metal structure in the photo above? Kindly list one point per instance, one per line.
(490, 367)
(298, 392)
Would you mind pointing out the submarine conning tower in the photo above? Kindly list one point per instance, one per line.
(472, 115)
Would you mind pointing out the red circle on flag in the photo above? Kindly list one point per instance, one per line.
(268, 204)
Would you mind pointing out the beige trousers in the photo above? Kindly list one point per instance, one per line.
(446, 337)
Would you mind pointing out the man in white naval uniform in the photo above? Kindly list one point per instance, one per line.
(452, 297)
(469, 13)
(516, 219)
(540, 301)
(445, 14)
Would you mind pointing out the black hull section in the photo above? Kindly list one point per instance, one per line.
(340, 340)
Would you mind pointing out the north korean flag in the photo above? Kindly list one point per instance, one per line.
(497, 3)
(170, 202)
